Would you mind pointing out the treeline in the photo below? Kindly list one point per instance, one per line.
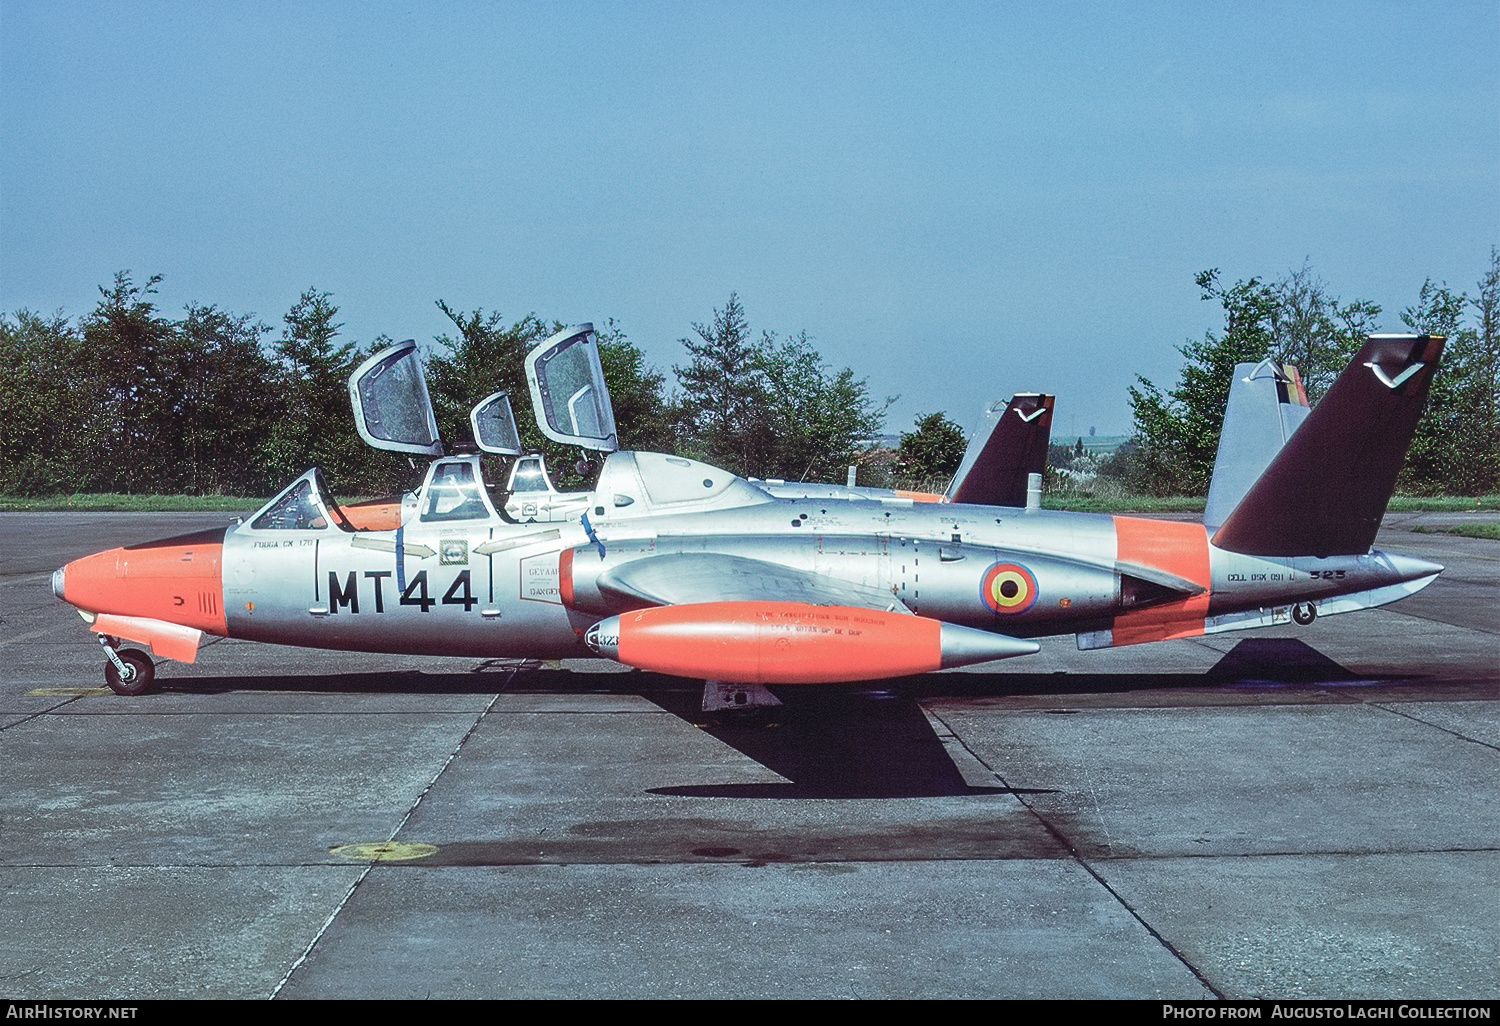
(1297, 320)
(127, 399)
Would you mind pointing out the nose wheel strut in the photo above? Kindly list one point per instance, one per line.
(127, 671)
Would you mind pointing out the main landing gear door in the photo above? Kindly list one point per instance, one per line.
(495, 425)
(391, 408)
(568, 391)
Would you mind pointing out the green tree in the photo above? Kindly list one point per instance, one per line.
(1293, 321)
(1484, 384)
(1455, 450)
(927, 458)
(229, 402)
(645, 417)
(1315, 332)
(724, 393)
(140, 365)
(47, 406)
(816, 421)
(315, 424)
(486, 356)
(770, 407)
(1178, 429)
(133, 401)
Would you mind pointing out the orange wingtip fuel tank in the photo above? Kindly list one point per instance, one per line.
(792, 643)
(175, 580)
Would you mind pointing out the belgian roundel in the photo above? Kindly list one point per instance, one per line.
(1008, 589)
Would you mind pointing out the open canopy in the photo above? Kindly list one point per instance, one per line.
(494, 425)
(568, 391)
(391, 407)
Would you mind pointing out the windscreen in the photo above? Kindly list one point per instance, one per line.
(453, 494)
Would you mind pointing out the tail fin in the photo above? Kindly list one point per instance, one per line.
(1326, 491)
(1266, 404)
(1010, 444)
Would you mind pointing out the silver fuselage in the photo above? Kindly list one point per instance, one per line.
(491, 586)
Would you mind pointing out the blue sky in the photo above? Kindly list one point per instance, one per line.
(960, 201)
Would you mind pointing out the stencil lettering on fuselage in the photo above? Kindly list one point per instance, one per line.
(539, 579)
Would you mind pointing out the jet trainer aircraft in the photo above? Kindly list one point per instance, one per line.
(675, 566)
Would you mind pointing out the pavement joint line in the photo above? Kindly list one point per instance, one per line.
(28, 636)
(370, 867)
(1436, 726)
(1072, 849)
(320, 712)
(1310, 853)
(43, 712)
(1313, 690)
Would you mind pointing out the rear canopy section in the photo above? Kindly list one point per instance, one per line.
(568, 392)
(494, 425)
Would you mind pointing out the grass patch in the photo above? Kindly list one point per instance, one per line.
(1443, 503)
(1122, 504)
(1076, 503)
(116, 503)
(1489, 531)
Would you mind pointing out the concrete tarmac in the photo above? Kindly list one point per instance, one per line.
(1285, 813)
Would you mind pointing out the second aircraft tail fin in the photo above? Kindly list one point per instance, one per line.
(1010, 444)
(1325, 492)
(1266, 404)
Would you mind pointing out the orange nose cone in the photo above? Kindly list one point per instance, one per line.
(178, 580)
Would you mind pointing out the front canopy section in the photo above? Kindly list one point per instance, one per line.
(568, 391)
(495, 425)
(391, 407)
(304, 505)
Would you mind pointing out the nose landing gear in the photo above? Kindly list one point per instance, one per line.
(129, 671)
(1304, 613)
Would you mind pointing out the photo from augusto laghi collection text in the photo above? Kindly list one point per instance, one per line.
(1329, 1010)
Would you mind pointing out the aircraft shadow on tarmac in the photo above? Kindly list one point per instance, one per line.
(850, 741)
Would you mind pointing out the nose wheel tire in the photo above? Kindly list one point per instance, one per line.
(1304, 613)
(137, 676)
